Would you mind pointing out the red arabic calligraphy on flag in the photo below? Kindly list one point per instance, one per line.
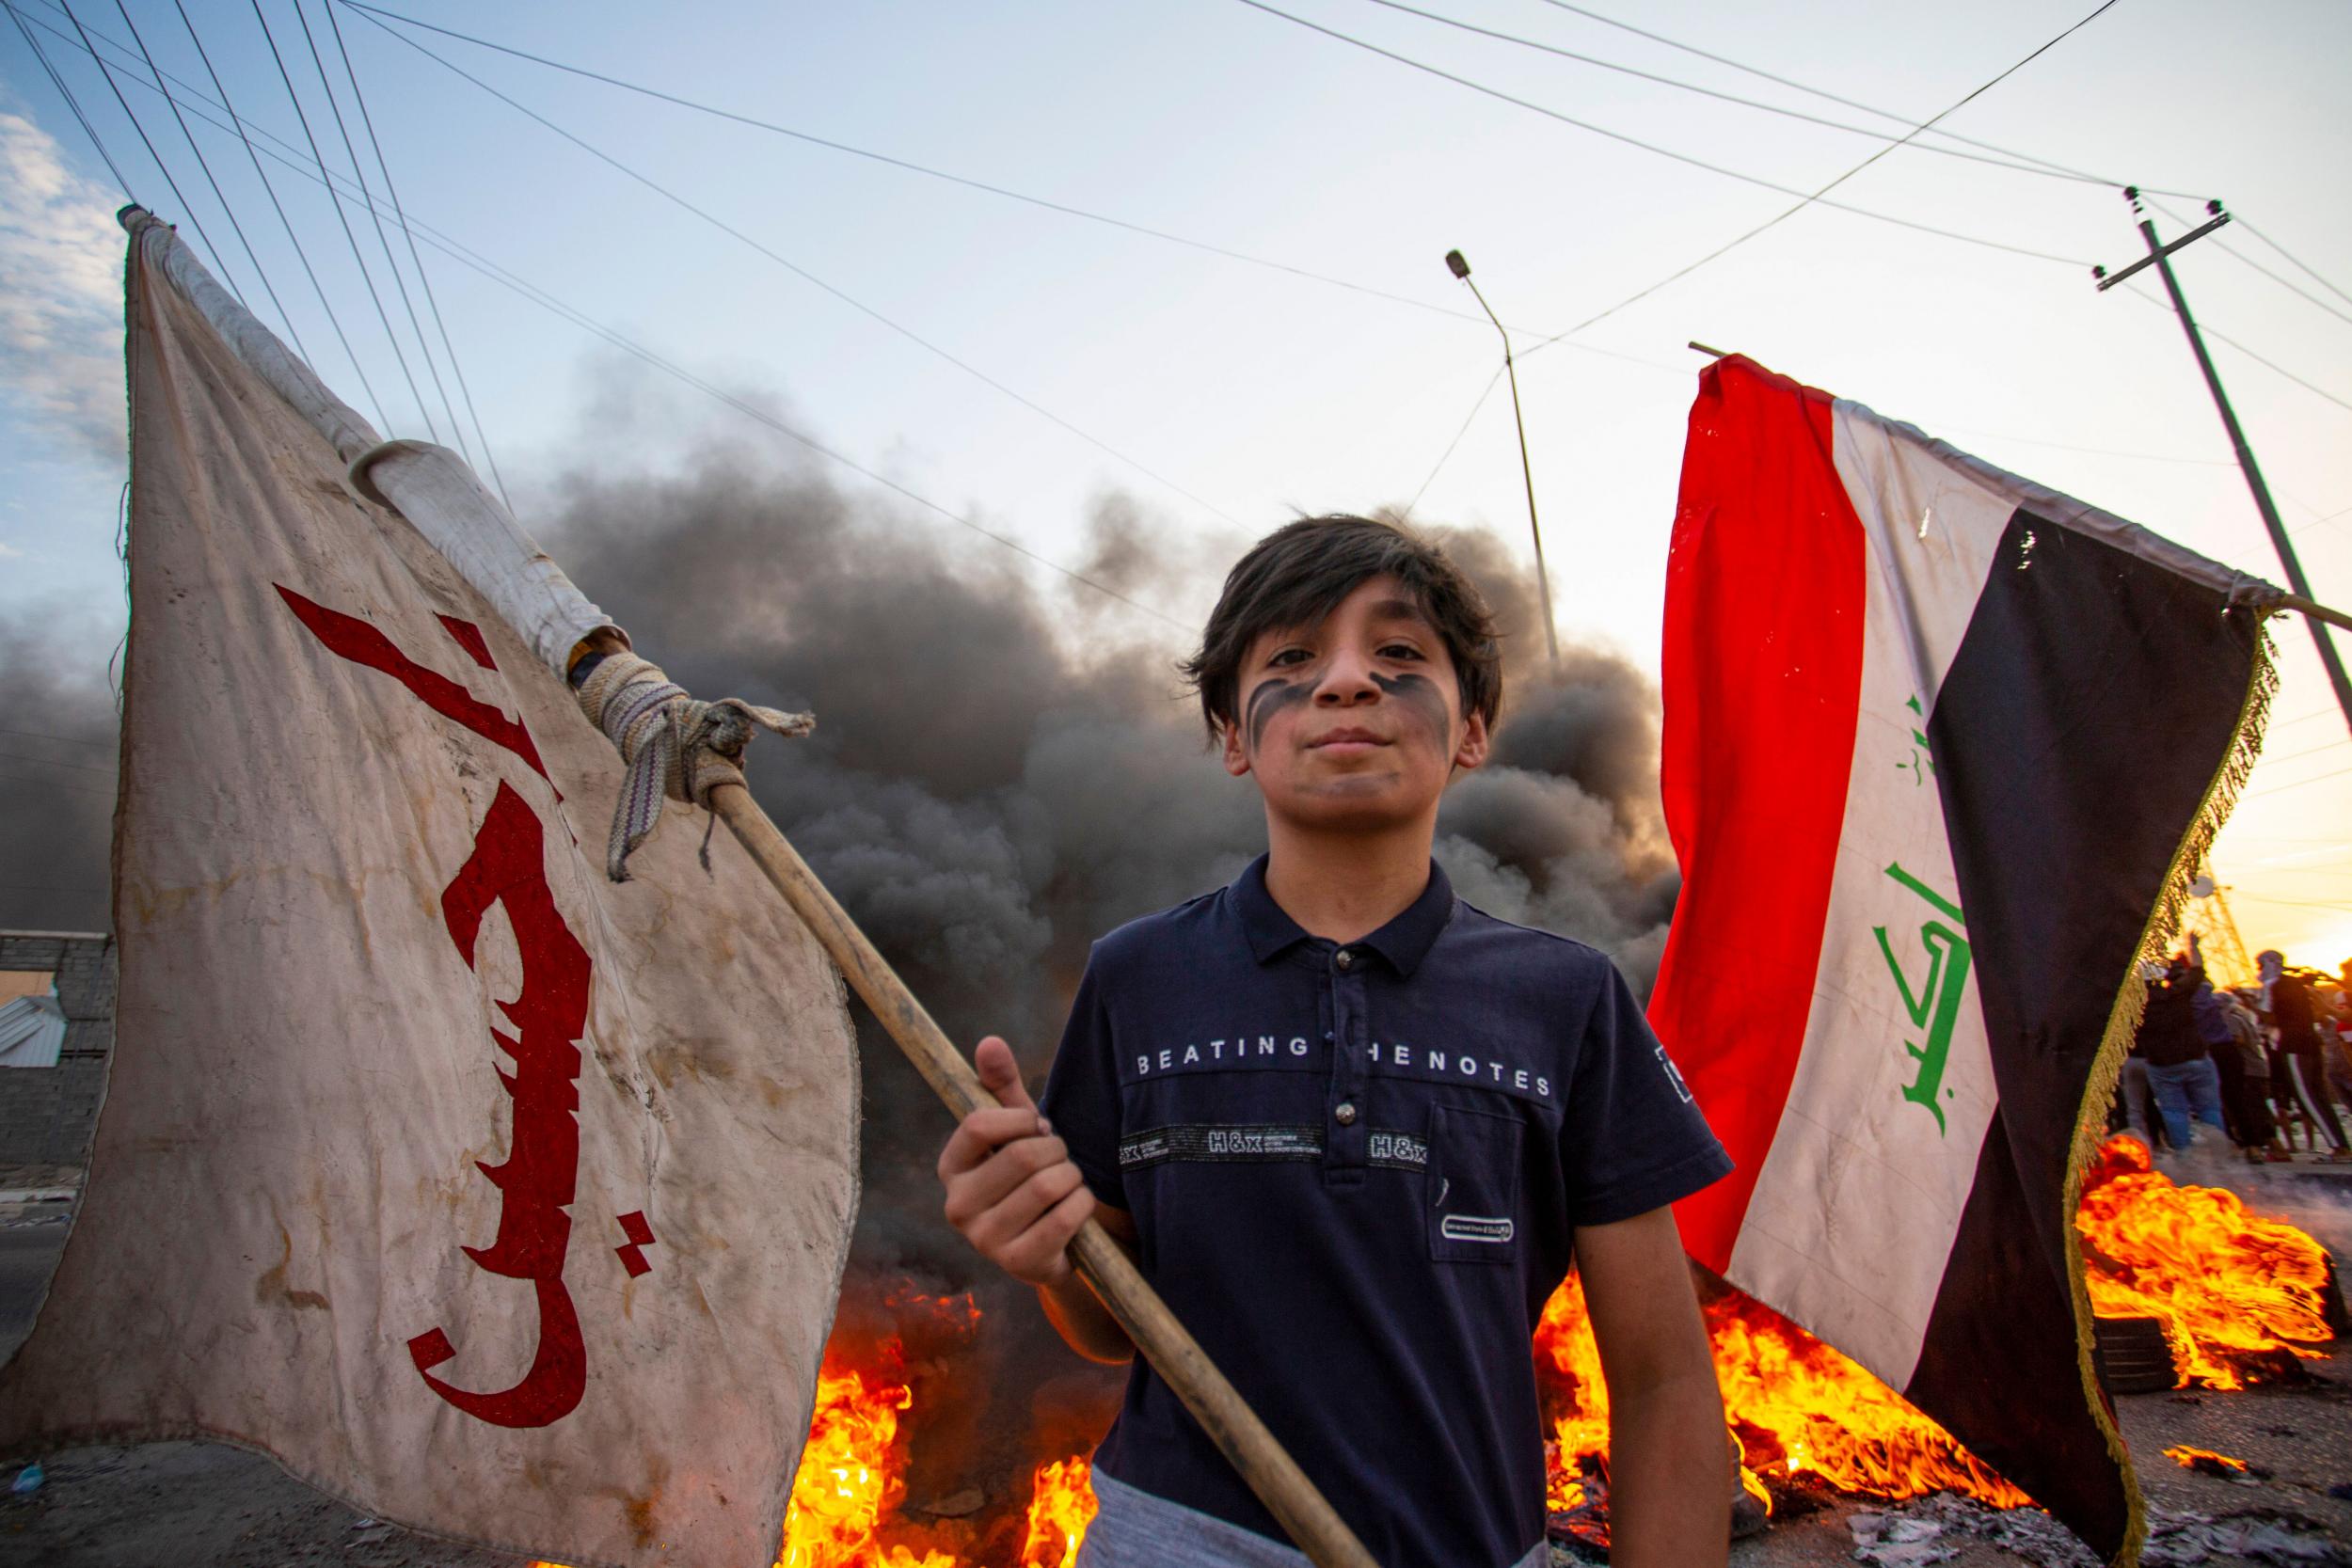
(538, 1177)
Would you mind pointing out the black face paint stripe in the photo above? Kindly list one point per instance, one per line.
(1419, 697)
(1270, 698)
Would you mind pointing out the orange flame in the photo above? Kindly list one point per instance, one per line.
(1796, 1407)
(851, 1483)
(1061, 1505)
(2190, 1459)
(853, 1473)
(2233, 1290)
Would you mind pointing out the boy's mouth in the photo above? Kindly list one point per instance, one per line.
(1346, 740)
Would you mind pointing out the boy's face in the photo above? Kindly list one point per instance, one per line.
(1354, 723)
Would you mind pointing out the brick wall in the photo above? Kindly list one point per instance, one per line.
(47, 1113)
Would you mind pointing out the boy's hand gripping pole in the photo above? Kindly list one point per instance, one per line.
(1174, 1353)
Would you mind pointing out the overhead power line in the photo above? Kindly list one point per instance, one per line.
(53, 762)
(1735, 241)
(2228, 249)
(1827, 96)
(219, 259)
(796, 270)
(1653, 147)
(320, 158)
(219, 195)
(423, 279)
(1045, 203)
(2281, 789)
(292, 238)
(317, 171)
(2298, 265)
(319, 174)
(72, 102)
(1467, 420)
(2035, 166)
(2132, 288)
(60, 739)
(1814, 199)
(359, 173)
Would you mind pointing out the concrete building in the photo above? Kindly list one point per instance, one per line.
(48, 1113)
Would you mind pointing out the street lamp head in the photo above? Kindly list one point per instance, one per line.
(1455, 264)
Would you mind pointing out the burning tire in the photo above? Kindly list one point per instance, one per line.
(2133, 1356)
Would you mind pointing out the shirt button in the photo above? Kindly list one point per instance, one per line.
(1345, 1115)
(1343, 959)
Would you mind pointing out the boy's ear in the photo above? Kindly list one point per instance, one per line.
(1236, 760)
(1475, 744)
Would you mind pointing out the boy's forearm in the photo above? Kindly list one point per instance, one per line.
(1084, 1322)
(1670, 1475)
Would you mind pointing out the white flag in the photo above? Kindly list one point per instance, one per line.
(492, 1197)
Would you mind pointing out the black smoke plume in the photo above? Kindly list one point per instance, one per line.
(57, 772)
(1007, 766)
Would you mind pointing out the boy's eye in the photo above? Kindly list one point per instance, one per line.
(1400, 650)
(1289, 656)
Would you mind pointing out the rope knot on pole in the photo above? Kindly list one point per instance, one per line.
(672, 744)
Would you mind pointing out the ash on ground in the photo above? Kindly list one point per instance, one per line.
(1932, 1529)
(2299, 1431)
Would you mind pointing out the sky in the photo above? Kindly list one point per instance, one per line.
(1288, 337)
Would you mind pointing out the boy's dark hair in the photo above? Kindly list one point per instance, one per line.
(1299, 574)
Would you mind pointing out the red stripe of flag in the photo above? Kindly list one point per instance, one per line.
(1762, 659)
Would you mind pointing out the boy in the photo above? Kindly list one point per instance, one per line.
(1353, 1129)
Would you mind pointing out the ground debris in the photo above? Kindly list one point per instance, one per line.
(2254, 1536)
(1929, 1529)
(1900, 1540)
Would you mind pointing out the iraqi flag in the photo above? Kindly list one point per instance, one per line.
(1942, 748)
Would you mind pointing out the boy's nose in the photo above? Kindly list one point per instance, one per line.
(1346, 680)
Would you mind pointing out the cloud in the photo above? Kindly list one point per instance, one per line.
(60, 294)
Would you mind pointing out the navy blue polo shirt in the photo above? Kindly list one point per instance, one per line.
(1356, 1174)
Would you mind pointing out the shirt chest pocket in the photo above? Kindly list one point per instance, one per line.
(1473, 1186)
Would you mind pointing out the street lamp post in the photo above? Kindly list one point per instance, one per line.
(1460, 268)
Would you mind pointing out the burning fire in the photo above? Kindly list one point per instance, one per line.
(2233, 1290)
(846, 1500)
(1061, 1505)
(1796, 1407)
(2236, 1293)
(852, 1478)
(852, 1475)
(2189, 1458)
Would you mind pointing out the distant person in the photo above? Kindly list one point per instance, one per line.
(2301, 1066)
(2135, 1104)
(2182, 1076)
(2335, 1039)
(2245, 1068)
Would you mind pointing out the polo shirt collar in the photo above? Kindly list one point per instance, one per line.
(1404, 940)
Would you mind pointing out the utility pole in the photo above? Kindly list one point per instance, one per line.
(2159, 256)
(1460, 269)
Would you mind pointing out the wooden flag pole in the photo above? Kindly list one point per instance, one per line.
(1174, 1353)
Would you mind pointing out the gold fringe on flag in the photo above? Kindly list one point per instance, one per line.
(2131, 1001)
